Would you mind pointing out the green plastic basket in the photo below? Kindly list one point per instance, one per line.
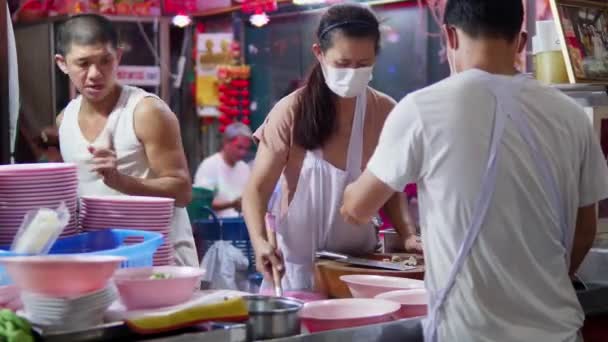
(201, 199)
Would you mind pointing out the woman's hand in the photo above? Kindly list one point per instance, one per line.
(267, 257)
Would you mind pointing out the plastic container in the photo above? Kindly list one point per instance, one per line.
(413, 302)
(202, 198)
(549, 65)
(109, 242)
(369, 286)
(61, 275)
(138, 291)
(347, 313)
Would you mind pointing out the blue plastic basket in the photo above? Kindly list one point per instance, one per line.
(207, 232)
(135, 245)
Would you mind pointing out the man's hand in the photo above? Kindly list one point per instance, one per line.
(49, 136)
(363, 199)
(236, 204)
(105, 164)
(353, 219)
(412, 245)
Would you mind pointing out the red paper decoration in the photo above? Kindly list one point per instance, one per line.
(234, 94)
(259, 6)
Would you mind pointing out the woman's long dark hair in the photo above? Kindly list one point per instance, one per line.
(315, 109)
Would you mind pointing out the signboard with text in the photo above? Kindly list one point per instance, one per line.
(147, 76)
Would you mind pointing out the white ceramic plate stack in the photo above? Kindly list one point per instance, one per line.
(151, 214)
(25, 187)
(68, 314)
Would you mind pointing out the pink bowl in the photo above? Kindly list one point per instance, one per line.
(369, 286)
(413, 302)
(346, 313)
(138, 291)
(61, 275)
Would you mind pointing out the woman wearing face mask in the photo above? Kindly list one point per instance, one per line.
(319, 138)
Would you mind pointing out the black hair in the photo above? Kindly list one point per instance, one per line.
(315, 108)
(486, 18)
(86, 29)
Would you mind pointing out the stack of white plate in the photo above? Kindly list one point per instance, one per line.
(152, 214)
(25, 187)
(68, 314)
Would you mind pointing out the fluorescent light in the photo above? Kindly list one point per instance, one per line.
(181, 20)
(259, 20)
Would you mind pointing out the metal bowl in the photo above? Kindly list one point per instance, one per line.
(273, 317)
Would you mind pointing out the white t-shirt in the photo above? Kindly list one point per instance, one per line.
(514, 286)
(229, 182)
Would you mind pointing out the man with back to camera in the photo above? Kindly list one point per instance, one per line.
(123, 139)
(226, 172)
(509, 172)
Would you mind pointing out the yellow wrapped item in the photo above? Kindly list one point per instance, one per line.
(215, 305)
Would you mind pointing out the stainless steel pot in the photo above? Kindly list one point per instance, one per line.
(273, 317)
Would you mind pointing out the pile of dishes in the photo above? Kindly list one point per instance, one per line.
(68, 313)
(152, 214)
(64, 292)
(26, 187)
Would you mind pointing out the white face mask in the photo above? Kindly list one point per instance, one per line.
(347, 82)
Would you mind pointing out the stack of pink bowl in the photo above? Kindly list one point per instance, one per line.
(153, 214)
(25, 187)
(64, 292)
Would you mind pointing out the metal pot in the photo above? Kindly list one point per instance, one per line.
(272, 317)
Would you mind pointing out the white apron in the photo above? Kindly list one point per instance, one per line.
(507, 107)
(313, 221)
(132, 161)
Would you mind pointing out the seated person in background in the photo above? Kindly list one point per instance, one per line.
(226, 172)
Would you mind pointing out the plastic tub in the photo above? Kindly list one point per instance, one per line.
(138, 290)
(347, 313)
(413, 302)
(109, 242)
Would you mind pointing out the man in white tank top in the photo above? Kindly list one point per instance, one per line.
(124, 140)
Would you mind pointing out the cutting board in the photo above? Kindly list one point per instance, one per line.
(328, 273)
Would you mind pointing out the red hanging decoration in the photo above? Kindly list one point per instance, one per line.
(259, 6)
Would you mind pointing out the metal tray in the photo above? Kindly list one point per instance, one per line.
(119, 331)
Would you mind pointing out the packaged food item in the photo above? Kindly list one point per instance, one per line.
(40, 229)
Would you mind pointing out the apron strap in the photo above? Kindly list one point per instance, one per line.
(506, 106)
(482, 204)
(354, 155)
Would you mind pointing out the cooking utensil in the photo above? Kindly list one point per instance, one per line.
(272, 239)
(343, 258)
(272, 317)
(276, 278)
